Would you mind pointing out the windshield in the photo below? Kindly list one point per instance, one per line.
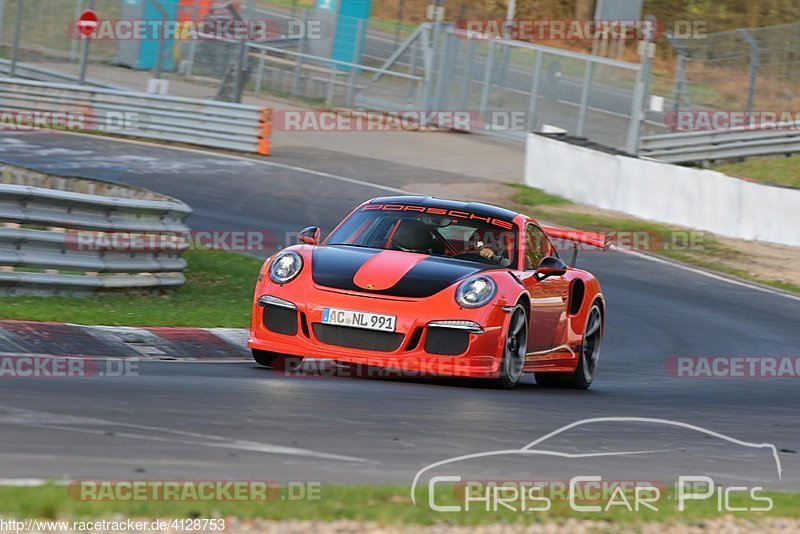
(474, 238)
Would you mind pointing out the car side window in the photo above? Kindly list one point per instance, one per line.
(537, 246)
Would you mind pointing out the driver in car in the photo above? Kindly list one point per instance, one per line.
(489, 246)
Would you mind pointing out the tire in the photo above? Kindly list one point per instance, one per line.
(515, 349)
(275, 360)
(588, 358)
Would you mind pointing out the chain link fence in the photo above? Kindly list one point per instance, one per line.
(739, 70)
(513, 86)
(46, 38)
(509, 82)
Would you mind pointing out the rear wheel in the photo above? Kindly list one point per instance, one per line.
(276, 360)
(515, 349)
(588, 358)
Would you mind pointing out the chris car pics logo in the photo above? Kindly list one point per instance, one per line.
(447, 489)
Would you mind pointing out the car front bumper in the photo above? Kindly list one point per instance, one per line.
(416, 348)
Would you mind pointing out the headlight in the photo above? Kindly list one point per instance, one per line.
(285, 267)
(476, 292)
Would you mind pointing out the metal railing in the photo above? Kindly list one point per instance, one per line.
(54, 241)
(706, 146)
(334, 81)
(587, 95)
(143, 115)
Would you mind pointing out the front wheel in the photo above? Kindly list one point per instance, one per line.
(276, 360)
(515, 349)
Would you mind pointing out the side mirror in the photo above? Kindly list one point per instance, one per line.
(309, 236)
(550, 266)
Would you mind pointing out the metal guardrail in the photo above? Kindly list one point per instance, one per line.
(31, 72)
(54, 241)
(688, 147)
(144, 115)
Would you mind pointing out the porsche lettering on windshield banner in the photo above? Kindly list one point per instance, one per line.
(458, 214)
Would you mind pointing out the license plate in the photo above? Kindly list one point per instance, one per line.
(356, 319)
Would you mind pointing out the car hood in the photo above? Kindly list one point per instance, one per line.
(387, 272)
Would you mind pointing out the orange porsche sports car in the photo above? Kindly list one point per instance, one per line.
(433, 287)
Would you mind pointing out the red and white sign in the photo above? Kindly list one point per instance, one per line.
(87, 22)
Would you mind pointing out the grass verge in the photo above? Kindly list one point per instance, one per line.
(381, 504)
(218, 292)
(710, 253)
(784, 171)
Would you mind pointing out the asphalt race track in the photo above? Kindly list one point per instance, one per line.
(194, 421)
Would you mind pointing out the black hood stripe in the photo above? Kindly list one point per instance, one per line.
(336, 266)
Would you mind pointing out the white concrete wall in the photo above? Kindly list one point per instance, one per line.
(694, 198)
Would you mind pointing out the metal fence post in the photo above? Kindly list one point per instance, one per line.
(354, 70)
(85, 52)
(298, 67)
(487, 79)
(580, 131)
(17, 33)
(537, 78)
(331, 86)
(261, 58)
(193, 43)
(639, 97)
(446, 62)
(755, 62)
(73, 44)
(2, 20)
(427, 60)
(412, 68)
(432, 64)
(468, 73)
(161, 38)
(398, 23)
(241, 62)
(679, 81)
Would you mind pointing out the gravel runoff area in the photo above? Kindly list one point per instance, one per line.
(722, 525)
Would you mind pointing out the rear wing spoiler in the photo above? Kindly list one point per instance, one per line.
(576, 237)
